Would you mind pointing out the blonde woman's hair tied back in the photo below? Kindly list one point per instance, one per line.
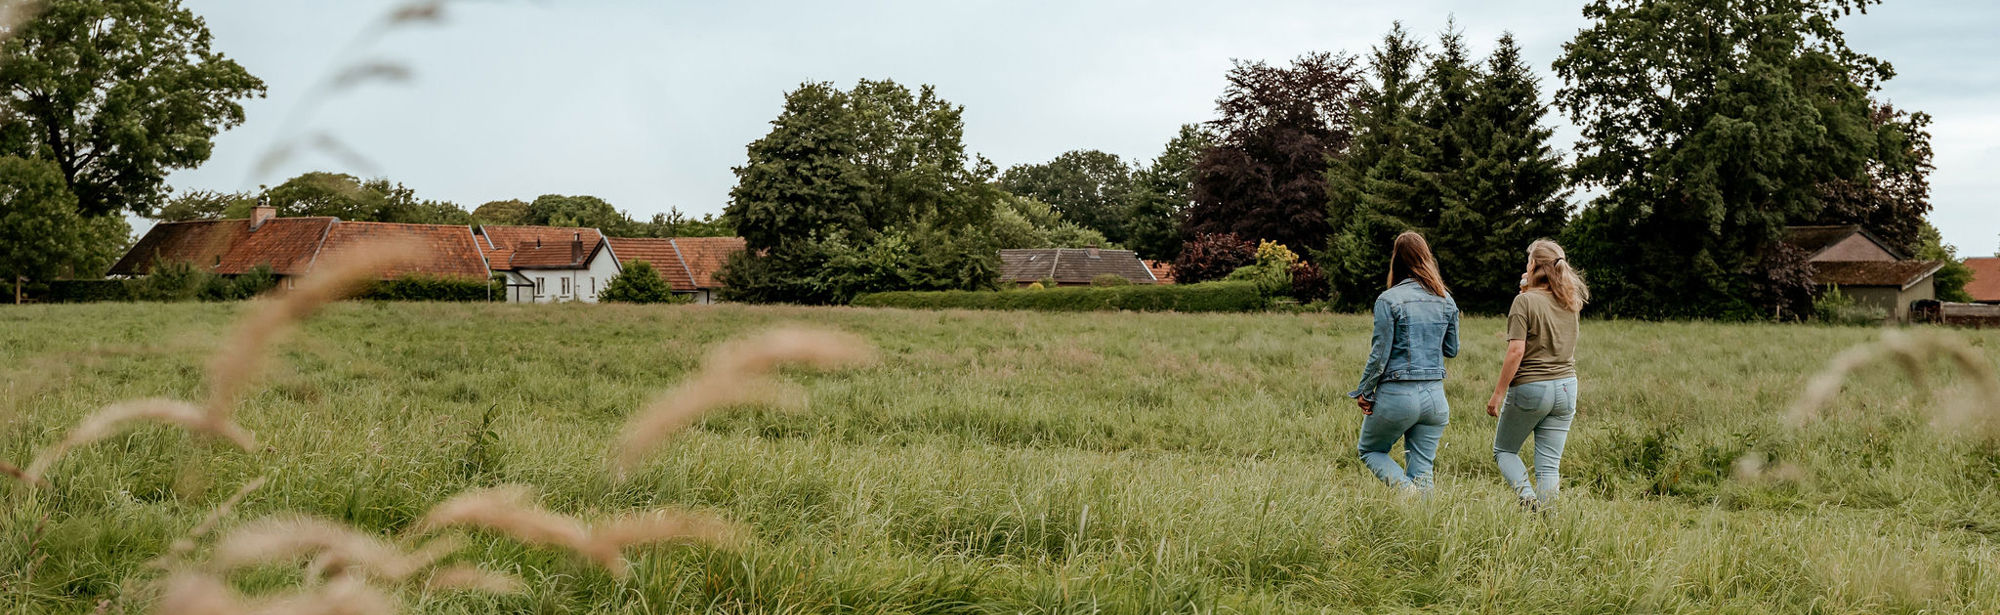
(1554, 273)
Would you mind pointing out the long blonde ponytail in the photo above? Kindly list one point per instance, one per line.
(1553, 272)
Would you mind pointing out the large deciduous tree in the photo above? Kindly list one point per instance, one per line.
(1893, 198)
(42, 234)
(117, 93)
(1157, 206)
(1265, 176)
(579, 210)
(861, 190)
(510, 212)
(351, 198)
(1708, 125)
(1087, 187)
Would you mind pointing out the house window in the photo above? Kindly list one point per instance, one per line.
(565, 282)
(593, 285)
(539, 281)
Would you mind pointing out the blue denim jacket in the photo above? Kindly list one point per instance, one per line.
(1415, 331)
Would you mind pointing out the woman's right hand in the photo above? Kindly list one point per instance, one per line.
(1493, 404)
(1367, 405)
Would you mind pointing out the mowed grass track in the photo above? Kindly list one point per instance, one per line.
(1015, 462)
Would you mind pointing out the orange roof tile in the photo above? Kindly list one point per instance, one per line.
(658, 252)
(706, 255)
(496, 236)
(229, 247)
(1985, 283)
(441, 249)
(565, 254)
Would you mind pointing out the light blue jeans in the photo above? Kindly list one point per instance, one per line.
(1414, 411)
(1543, 409)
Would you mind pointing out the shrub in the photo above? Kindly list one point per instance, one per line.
(425, 287)
(170, 281)
(1213, 256)
(259, 280)
(1835, 307)
(1272, 271)
(235, 288)
(639, 283)
(1309, 284)
(1206, 297)
(1036, 286)
(1109, 279)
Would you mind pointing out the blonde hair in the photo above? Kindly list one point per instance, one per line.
(1411, 258)
(1553, 272)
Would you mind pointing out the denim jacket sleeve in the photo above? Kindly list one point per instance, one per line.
(1451, 338)
(1378, 351)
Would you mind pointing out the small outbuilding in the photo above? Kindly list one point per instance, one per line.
(1866, 268)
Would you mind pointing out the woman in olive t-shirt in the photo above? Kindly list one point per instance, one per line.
(1536, 392)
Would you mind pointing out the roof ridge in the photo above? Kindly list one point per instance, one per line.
(682, 259)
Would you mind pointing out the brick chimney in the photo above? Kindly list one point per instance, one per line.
(263, 211)
(576, 248)
(1090, 250)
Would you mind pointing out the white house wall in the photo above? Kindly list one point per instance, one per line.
(584, 284)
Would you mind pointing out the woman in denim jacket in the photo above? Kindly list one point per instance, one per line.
(1402, 388)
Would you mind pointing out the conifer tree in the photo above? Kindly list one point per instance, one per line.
(1506, 188)
(1372, 189)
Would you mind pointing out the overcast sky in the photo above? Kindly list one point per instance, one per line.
(648, 104)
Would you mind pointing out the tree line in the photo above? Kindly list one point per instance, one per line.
(351, 198)
(1707, 127)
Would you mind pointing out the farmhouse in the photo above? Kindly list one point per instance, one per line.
(1072, 266)
(292, 246)
(1866, 268)
(688, 264)
(541, 264)
(546, 264)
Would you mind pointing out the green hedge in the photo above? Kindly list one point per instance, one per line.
(1204, 297)
(435, 288)
(86, 291)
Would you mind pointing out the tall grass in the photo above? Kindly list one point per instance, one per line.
(1008, 462)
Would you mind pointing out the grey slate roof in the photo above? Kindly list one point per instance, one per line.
(1071, 265)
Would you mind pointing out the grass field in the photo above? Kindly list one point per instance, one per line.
(1005, 462)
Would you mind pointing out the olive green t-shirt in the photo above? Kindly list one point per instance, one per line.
(1550, 332)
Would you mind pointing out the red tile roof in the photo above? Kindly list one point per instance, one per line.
(706, 255)
(1163, 271)
(229, 247)
(569, 253)
(1985, 284)
(495, 236)
(1898, 274)
(658, 252)
(441, 249)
